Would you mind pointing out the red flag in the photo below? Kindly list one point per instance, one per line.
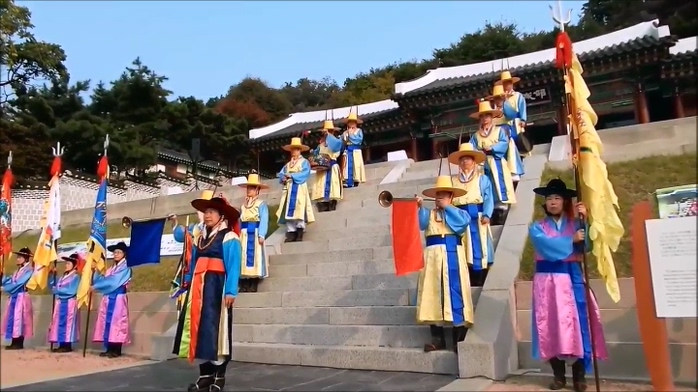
(6, 213)
(407, 244)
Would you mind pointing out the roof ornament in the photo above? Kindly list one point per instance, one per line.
(559, 17)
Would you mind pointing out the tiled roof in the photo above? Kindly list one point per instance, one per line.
(684, 48)
(296, 128)
(641, 33)
(184, 157)
(297, 122)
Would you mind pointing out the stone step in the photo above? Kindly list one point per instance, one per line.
(325, 235)
(360, 315)
(323, 269)
(333, 298)
(347, 282)
(397, 336)
(293, 299)
(378, 253)
(359, 358)
(348, 242)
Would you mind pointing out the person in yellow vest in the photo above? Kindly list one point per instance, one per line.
(493, 140)
(354, 171)
(514, 107)
(254, 223)
(327, 188)
(478, 202)
(513, 154)
(443, 295)
(295, 210)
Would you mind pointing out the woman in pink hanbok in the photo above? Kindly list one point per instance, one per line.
(560, 318)
(65, 323)
(112, 320)
(17, 322)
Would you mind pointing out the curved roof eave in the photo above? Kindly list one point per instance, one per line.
(319, 115)
(684, 45)
(650, 28)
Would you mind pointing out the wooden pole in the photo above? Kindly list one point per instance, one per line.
(87, 325)
(55, 278)
(655, 340)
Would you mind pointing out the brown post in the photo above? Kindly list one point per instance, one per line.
(367, 154)
(642, 112)
(414, 149)
(678, 104)
(655, 341)
(561, 120)
(434, 148)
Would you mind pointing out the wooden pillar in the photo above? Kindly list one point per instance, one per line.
(413, 147)
(642, 113)
(434, 148)
(367, 154)
(678, 104)
(561, 120)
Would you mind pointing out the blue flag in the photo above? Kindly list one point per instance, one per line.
(146, 237)
(96, 245)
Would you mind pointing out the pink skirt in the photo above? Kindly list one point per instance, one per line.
(65, 324)
(112, 320)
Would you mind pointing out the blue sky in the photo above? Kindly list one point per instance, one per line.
(204, 47)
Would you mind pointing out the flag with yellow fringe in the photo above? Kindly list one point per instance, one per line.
(594, 187)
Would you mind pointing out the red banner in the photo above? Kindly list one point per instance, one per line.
(407, 243)
(6, 213)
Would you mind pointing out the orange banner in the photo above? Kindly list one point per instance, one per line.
(407, 244)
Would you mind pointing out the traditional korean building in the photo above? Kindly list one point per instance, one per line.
(636, 75)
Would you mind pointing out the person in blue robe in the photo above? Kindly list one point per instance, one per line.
(18, 318)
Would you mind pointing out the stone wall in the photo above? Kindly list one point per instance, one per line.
(79, 192)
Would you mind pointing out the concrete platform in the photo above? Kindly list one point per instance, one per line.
(175, 375)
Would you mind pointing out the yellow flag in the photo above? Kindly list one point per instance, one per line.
(605, 226)
(45, 252)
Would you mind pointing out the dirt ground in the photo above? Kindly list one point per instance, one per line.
(30, 366)
(530, 383)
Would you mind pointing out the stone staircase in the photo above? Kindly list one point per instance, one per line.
(333, 300)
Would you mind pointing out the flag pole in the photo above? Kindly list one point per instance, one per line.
(573, 134)
(57, 153)
(89, 297)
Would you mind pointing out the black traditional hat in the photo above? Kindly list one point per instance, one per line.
(119, 246)
(219, 204)
(25, 252)
(556, 187)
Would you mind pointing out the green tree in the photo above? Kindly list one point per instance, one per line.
(269, 99)
(23, 58)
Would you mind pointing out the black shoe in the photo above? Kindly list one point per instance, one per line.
(579, 382)
(252, 288)
(323, 206)
(243, 285)
(206, 378)
(458, 336)
(291, 236)
(559, 380)
(113, 354)
(333, 205)
(16, 344)
(63, 348)
(438, 340)
(299, 235)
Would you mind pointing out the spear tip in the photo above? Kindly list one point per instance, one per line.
(9, 159)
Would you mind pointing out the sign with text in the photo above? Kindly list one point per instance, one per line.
(539, 95)
(168, 246)
(672, 252)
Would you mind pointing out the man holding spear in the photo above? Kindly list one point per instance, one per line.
(561, 289)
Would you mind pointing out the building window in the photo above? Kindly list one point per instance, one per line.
(181, 169)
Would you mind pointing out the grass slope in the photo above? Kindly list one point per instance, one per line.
(633, 181)
(154, 277)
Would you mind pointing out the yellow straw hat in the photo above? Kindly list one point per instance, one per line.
(353, 116)
(253, 180)
(497, 92)
(443, 184)
(296, 143)
(506, 76)
(466, 150)
(206, 194)
(485, 107)
(328, 125)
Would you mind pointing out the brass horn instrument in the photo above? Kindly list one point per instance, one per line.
(126, 221)
(386, 199)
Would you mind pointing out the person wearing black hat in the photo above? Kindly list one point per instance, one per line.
(204, 329)
(65, 323)
(112, 326)
(17, 322)
(560, 328)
